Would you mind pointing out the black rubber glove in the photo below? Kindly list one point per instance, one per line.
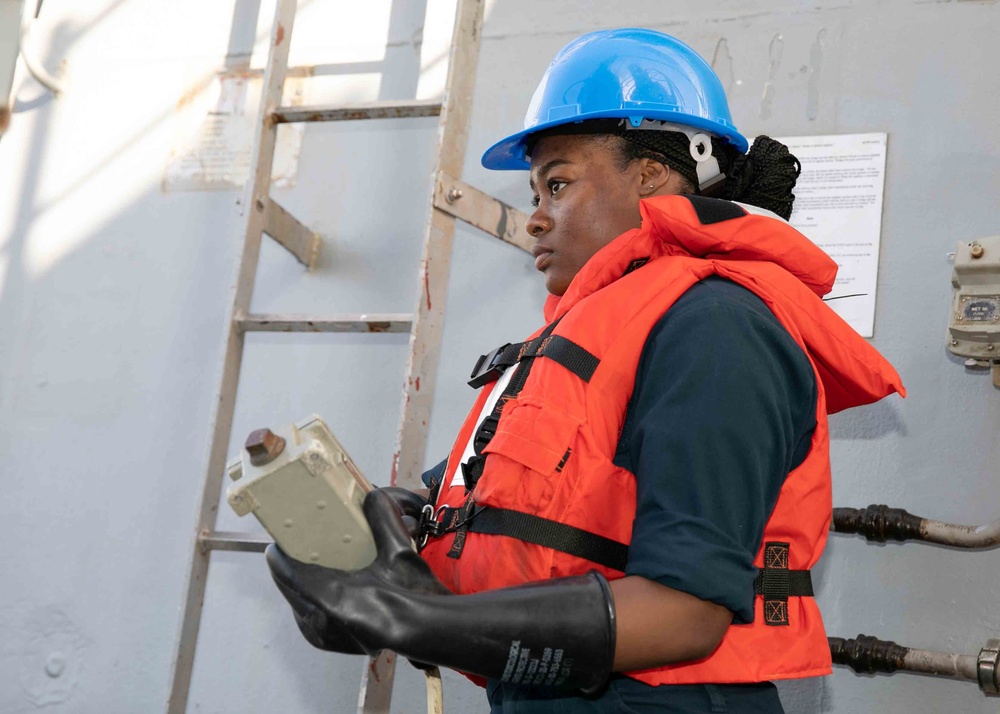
(411, 504)
(559, 633)
(312, 621)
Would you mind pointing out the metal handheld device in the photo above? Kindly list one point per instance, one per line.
(306, 491)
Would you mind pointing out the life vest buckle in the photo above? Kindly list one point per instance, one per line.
(488, 369)
(484, 435)
(433, 522)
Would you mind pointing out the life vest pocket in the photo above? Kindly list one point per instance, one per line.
(526, 458)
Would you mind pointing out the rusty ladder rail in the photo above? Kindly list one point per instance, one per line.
(450, 199)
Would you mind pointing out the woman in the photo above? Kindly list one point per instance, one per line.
(655, 460)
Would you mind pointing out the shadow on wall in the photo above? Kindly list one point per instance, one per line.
(110, 360)
(872, 422)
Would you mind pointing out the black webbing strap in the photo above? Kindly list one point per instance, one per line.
(550, 534)
(517, 382)
(558, 536)
(459, 524)
(473, 469)
(557, 348)
(799, 583)
(567, 353)
(777, 583)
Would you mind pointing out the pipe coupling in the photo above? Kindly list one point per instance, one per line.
(987, 671)
(867, 655)
(877, 523)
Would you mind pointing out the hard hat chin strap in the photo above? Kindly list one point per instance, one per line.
(710, 176)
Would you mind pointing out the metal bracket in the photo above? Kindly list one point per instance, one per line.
(293, 235)
(481, 210)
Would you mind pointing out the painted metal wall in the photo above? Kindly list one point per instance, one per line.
(113, 297)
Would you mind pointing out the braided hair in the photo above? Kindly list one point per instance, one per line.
(764, 177)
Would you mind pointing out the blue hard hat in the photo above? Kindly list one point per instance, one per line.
(629, 73)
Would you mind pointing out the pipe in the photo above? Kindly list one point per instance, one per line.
(868, 655)
(880, 523)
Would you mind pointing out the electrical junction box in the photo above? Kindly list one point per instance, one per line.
(306, 491)
(974, 324)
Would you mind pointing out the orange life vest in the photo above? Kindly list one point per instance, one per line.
(551, 451)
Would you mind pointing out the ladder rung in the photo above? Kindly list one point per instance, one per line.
(372, 110)
(230, 540)
(382, 322)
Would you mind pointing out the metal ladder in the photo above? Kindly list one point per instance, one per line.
(450, 199)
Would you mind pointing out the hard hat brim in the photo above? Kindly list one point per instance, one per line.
(509, 154)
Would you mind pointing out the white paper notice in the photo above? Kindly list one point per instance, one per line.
(838, 206)
(214, 131)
